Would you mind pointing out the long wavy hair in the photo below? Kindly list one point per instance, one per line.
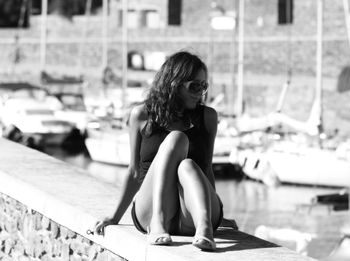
(163, 102)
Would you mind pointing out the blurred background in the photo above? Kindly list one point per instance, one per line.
(71, 70)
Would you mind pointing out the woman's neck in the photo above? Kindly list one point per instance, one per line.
(181, 123)
(180, 114)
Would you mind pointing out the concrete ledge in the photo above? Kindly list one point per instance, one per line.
(76, 200)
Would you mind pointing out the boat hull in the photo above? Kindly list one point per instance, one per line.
(113, 148)
(307, 166)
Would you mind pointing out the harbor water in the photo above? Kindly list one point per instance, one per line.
(281, 214)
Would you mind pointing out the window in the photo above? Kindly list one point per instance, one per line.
(135, 60)
(285, 11)
(14, 13)
(132, 19)
(36, 7)
(174, 12)
(140, 18)
(65, 7)
(150, 18)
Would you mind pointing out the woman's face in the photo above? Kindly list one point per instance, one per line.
(191, 99)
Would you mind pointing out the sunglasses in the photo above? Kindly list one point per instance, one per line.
(196, 87)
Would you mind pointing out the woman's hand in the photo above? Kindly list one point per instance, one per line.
(100, 225)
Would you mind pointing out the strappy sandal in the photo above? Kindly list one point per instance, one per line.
(204, 243)
(163, 239)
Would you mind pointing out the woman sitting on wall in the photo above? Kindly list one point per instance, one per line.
(170, 178)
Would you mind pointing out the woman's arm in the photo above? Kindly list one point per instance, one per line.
(130, 185)
(211, 122)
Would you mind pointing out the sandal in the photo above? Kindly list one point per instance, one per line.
(204, 243)
(159, 239)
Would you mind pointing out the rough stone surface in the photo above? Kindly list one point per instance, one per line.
(27, 235)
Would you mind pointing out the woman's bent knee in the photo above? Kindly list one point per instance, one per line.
(177, 137)
(175, 140)
(188, 167)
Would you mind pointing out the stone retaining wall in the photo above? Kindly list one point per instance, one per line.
(25, 235)
(47, 207)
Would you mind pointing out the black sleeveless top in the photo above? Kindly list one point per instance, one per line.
(198, 138)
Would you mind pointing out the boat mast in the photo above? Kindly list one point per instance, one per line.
(239, 104)
(85, 31)
(318, 98)
(124, 50)
(210, 59)
(230, 93)
(43, 34)
(104, 34)
(347, 18)
(288, 81)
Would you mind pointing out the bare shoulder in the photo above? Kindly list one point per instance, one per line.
(138, 115)
(139, 112)
(210, 118)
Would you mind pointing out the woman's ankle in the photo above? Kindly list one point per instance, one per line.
(204, 229)
(157, 226)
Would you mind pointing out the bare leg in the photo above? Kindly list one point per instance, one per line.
(200, 206)
(157, 201)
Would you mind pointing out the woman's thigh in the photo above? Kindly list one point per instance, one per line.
(144, 197)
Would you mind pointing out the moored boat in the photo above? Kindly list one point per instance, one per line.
(111, 145)
(31, 119)
(290, 162)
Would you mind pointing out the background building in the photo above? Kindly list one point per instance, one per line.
(275, 46)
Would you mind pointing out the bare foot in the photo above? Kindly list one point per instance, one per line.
(205, 230)
(157, 234)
